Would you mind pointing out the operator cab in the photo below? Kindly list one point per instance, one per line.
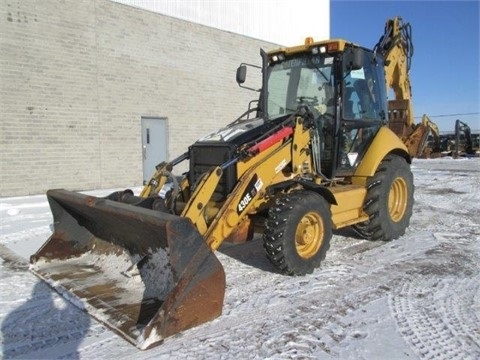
(343, 87)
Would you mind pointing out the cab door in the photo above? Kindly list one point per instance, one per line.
(363, 110)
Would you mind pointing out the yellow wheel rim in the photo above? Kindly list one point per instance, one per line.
(397, 199)
(309, 235)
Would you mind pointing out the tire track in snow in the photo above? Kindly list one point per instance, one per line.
(439, 318)
(320, 309)
(313, 314)
(437, 309)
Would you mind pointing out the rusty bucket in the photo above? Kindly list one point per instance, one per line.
(143, 273)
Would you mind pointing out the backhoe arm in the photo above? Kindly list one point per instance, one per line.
(396, 47)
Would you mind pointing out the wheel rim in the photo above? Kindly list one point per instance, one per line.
(397, 199)
(309, 235)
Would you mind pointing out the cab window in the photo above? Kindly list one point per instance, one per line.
(362, 92)
(363, 110)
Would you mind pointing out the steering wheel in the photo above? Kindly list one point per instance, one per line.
(307, 100)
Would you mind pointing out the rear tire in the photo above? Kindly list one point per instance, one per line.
(298, 232)
(389, 200)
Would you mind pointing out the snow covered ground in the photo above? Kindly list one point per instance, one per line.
(415, 297)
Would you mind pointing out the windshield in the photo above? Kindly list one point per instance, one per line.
(305, 79)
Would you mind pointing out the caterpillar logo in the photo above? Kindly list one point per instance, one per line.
(249, 194)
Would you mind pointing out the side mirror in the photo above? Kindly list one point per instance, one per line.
(242, 77)
(241, 74)
(354, 59)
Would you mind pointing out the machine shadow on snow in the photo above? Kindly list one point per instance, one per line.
(348, 232)
(40, 324)
(250, 253)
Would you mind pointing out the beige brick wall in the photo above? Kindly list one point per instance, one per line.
(78, 75)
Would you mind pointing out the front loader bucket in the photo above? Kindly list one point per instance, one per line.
(143, 273)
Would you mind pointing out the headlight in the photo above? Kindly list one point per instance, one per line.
(319, 50)
(278, 57)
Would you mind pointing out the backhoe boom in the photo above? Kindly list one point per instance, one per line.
(396, 47)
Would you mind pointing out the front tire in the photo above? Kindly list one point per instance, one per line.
(298, 232)
(389, 200)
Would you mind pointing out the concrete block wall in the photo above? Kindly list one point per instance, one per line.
(78, 75)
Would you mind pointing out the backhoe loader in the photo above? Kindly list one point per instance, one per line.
(313, 154)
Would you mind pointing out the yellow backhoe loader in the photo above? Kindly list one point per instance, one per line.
(312, 155)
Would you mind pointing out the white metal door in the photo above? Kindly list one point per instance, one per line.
(154, 144)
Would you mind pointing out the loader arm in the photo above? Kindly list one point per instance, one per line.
(396, 47)
(251, 192)
(259, 165)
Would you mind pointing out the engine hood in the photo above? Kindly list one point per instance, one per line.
(237, 132)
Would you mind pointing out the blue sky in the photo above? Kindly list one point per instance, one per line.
(445, 73)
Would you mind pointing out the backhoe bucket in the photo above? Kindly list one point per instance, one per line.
(143, 273)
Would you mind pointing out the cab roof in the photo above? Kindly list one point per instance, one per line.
(331, 45)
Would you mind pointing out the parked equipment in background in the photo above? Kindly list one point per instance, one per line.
(463, 140)
(459, 143)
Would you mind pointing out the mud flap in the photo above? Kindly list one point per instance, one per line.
(145, 274)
